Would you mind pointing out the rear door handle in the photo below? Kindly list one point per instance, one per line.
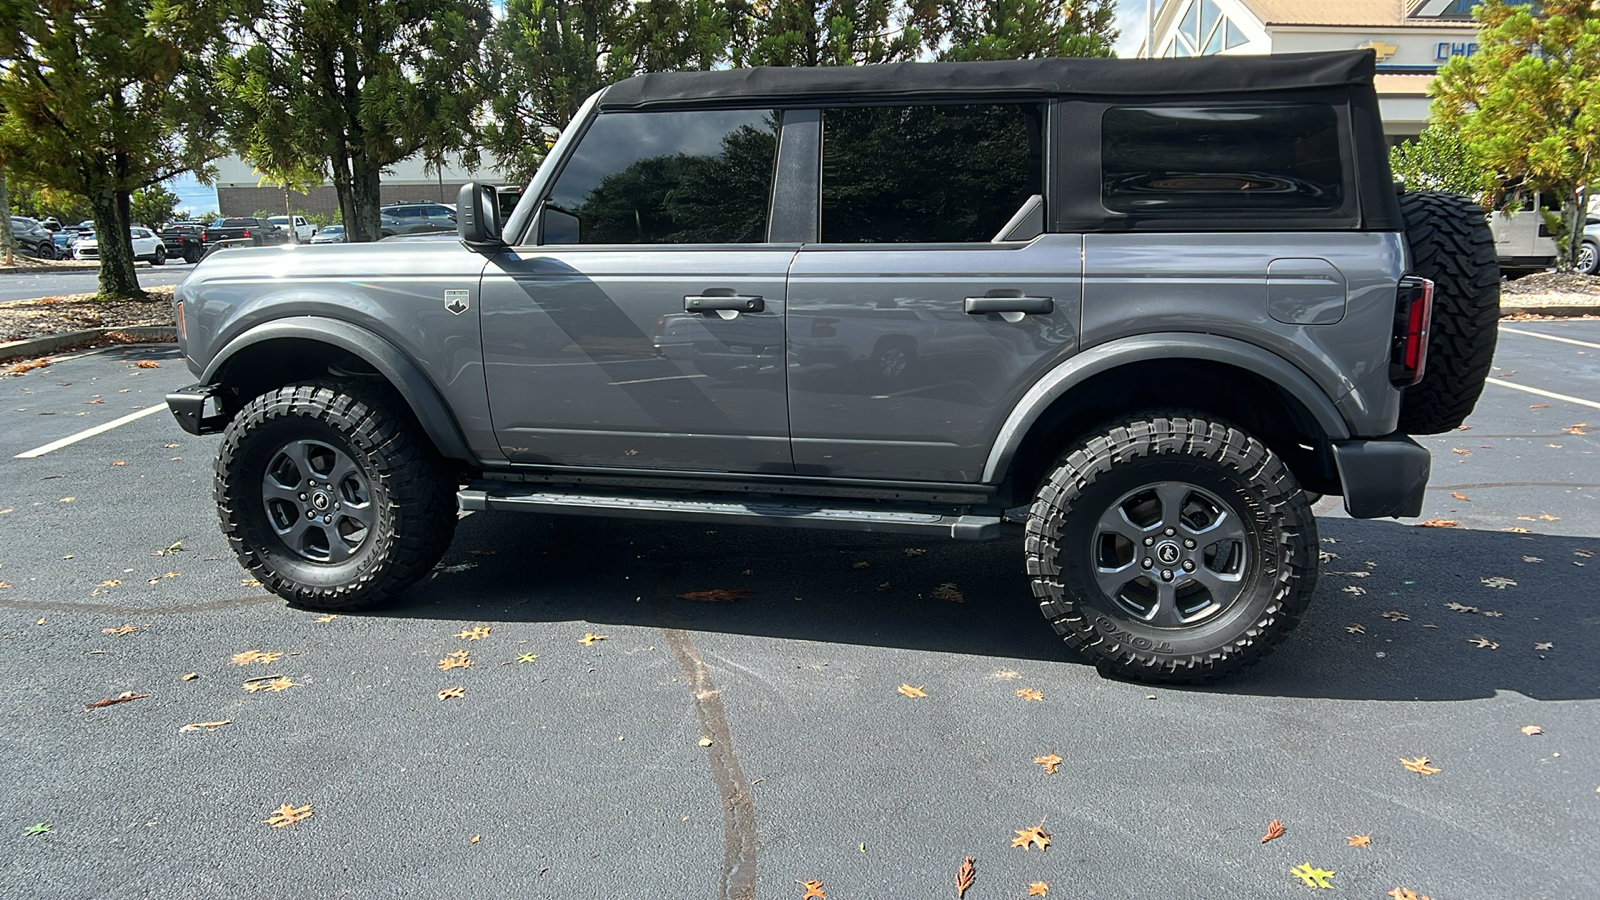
(1031, 305)
(734, 302)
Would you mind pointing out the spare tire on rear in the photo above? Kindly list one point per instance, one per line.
(1451, 245)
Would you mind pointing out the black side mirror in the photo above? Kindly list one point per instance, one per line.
(478, 215)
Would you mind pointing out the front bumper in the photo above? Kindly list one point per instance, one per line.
(1386, 477)
(197, 409)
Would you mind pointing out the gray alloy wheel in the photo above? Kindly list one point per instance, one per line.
(159, 257)
(1588, 259)
(317, 501)
(1170, 554)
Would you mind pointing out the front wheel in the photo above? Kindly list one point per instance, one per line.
(330, 496)
(159, 258)
(1588, 258)
(1172, 548)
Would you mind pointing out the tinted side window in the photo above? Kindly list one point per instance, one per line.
(688, 177)
(1221, 159)
(893, 174)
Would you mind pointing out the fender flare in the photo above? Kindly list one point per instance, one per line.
(1105, 357)
(419, 393)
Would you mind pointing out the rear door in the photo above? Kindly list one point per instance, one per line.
(933, 298)
(643, 326)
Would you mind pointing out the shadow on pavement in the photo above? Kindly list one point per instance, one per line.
(811, 586)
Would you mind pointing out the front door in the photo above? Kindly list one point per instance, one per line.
(644, 329)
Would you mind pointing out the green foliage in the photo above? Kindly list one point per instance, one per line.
(1439, 160)
(153, 206)
(830, 33)
(1021, 29)
(1527, 104)
(101, 98)
(40, 202)
(341, 89)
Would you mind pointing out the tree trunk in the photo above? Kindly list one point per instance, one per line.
(361, 201)
(1573, 215)
(6, 237)
(117, 278)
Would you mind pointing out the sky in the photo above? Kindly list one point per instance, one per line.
(194, 197)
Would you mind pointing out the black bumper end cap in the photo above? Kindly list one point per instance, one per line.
(188, 406)
(1383, 478)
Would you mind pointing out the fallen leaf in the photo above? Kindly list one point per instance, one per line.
(1030, 694)
(119, 462)
(1459, 496)
(475, 839)
(947, 591)
(1312, 876)
(1460, 607)
(1032, 836)
(1439, 523)
(589, 638)
(1050, 763)
(1355, 589)
(37, 828)
(289, 814)
(120, 630)
(1395, 615)
(1586, 554)
(68, 499)
(323, 619)
(1325, 556)
(1515, 530)
(1460, 451)
(860, 565)
(1544, 645)
(177, 547)
(1532, 559)
(123, 697)
(1038, 889)
(147, 364)
(111, 582)
(916, 693)
(705, 742)
(964, 878)
(255, 656)
(813, 890)
(475, 634)
(1498, 582)
(1418, 765)
(885, 587)
(454, 662)
(1546, 517)
(1359, 840)
(1356, 628)
(527, 657)
(190, 676)
(1531, 730)
(1274, 831)
(1575, 430)
(718, 596)
(454, 693)
(914, 551)
(278, 685)
(1491, 613)
(1483, 643)
(204, 726)
(250, 582)
(1539, 406)
(1401, 893)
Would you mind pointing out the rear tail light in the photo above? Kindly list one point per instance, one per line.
(247, 232)
(1413, 317)
(183, 333)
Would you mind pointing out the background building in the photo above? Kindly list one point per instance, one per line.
(1412, 39)
(240, 190)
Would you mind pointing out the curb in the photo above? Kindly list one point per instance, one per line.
(46, 270)
(1559, 312)
(139, 334)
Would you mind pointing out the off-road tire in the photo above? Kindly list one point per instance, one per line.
(410, 489)
(1280, 563)
(1451, 244)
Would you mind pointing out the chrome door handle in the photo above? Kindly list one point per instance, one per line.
(735, 302)
(1031, 305)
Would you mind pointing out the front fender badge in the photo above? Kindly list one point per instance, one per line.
(457, 302)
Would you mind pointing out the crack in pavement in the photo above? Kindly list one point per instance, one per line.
(738, 880)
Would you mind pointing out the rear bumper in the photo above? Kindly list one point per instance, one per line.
(196, 409)
(1386, 477)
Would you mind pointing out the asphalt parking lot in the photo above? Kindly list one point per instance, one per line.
(732, 749)
(26, 286)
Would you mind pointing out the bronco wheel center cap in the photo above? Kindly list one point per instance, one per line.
(1168, 553)
(319, 500)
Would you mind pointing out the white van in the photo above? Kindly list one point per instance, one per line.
(1522, 240)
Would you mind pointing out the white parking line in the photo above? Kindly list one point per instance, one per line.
(1551, 394)
(1549, 337)
(98, 429)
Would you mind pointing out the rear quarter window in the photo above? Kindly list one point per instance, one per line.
(1221, 159)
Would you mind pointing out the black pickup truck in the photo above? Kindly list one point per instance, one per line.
(184, 240)
(243, 231)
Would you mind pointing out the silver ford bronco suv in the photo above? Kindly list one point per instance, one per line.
(1137, 314)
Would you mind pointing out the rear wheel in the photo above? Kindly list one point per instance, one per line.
(330, 496)
(1171, 548)
(159, 258)
(1588, 258)
(46, 250)
(1451, 245)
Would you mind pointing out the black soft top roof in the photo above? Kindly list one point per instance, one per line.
(1155, 78)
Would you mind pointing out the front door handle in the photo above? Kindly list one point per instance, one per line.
(1041, 306)
(734, 302)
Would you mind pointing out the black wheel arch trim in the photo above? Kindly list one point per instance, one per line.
(418, 391)
(1175, 345)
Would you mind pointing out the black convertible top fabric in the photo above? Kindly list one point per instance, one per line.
(1153, 78)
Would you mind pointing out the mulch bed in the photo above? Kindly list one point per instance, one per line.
(23, 319)
(1553, 283)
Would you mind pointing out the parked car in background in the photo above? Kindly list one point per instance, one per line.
(146, 246)
(63, 240)
(32, 238)
(1522, 241)
(301, 232)
(184, 241)
(247, 229)
(416, 218)
(333, 234)
(51, 222)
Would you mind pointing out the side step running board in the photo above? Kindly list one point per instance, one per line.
(940, 522)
